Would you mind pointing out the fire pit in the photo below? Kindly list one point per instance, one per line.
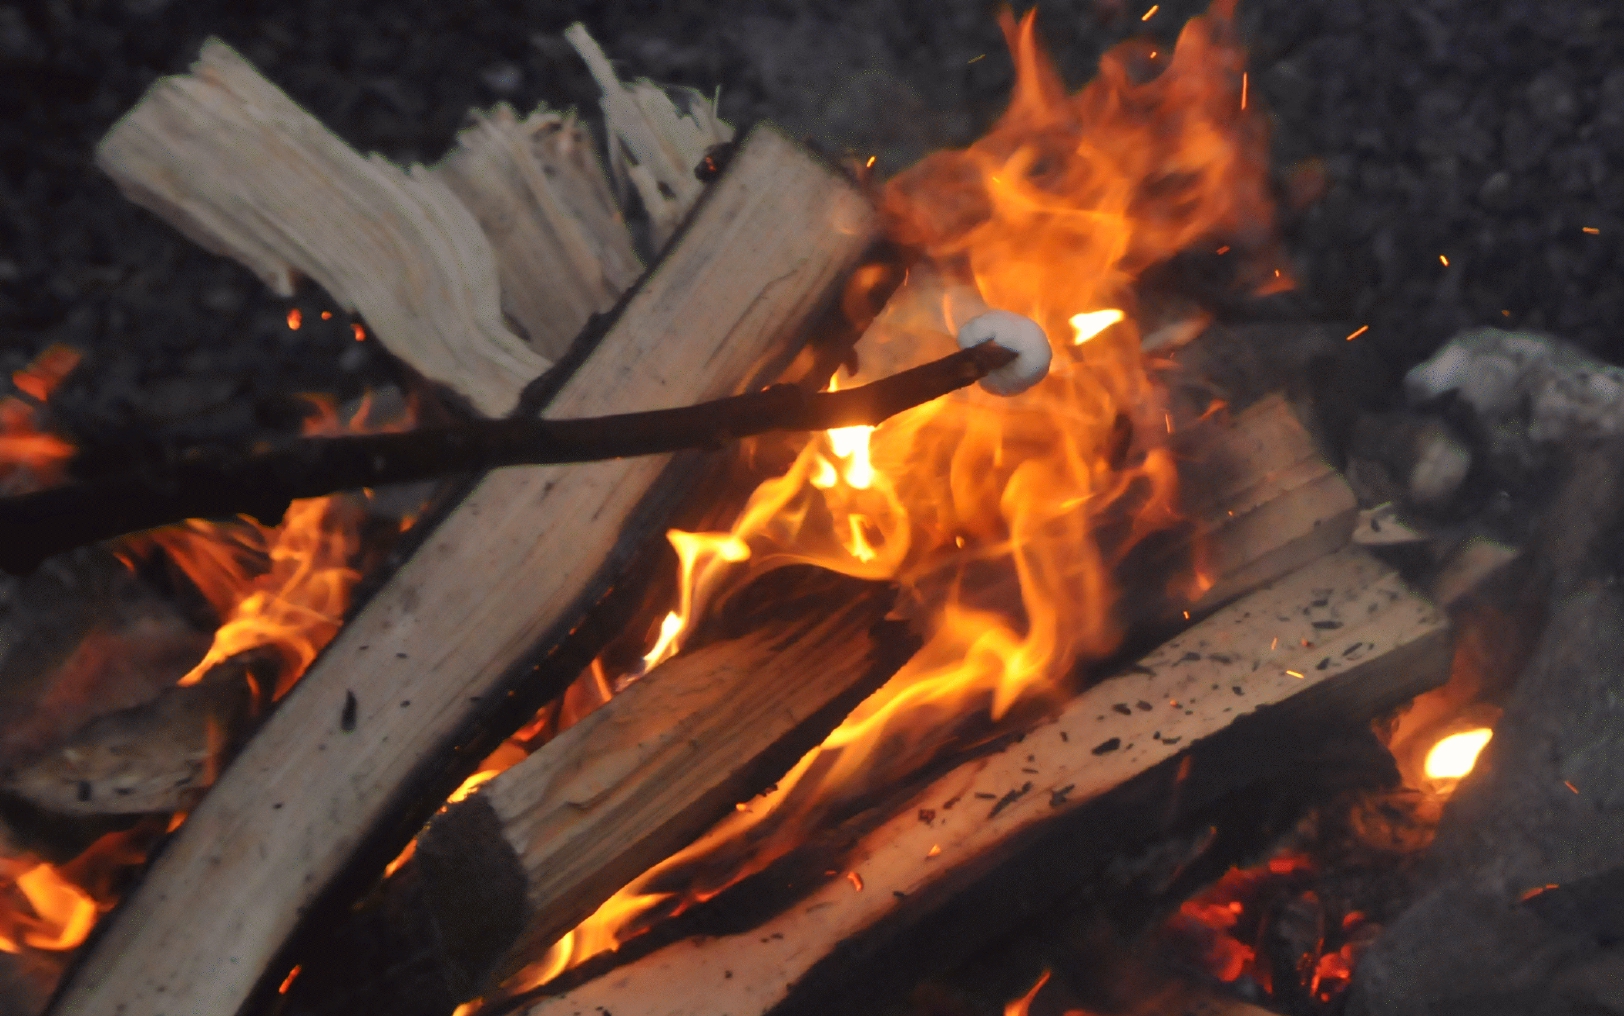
(1077, 701)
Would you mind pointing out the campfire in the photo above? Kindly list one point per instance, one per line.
(1023, 597)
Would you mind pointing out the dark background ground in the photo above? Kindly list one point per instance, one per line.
(1486, 131)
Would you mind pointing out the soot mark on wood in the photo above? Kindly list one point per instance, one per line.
(1010, 798)
(346, 719)
(1106, 747)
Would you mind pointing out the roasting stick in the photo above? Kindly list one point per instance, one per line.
(1341, 637)
(262, 482)
(397, 710)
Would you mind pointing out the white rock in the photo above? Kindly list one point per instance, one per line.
(1017, 333)
(1441, 463)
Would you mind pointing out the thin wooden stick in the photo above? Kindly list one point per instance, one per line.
(262, 482)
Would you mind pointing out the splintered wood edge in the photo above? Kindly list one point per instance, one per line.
(510, 568)
(1387, 644)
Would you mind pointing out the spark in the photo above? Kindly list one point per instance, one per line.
(295, 319)
(973, 59)
(1293, 673)
(1244, 82)
(1224, 249)
(935, 850)
(287, 982)
(1362, 329)
(1592, 230)
(1570, 786)
(870, 163)
(360, 333)
(1275, 644)
(855, 879)
(1152, 12)
(1444, 260)
(326, 315)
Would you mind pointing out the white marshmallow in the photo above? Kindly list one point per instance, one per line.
(1018, 334)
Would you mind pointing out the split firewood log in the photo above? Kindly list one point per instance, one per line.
(234, 163)
(1343, 636)
(406, 700)
(563, 252)
(655, 146)
(509, 870)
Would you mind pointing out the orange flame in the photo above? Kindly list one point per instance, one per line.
(988, 512)
(293, 607)
(29, 457)
(1023, 1006)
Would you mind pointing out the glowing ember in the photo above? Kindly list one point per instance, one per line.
(29, 457)
(1454, 756)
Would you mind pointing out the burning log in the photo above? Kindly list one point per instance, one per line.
(196, 483)
(407, 698)
(1343, 636)
(1263, 457)
(508, 871)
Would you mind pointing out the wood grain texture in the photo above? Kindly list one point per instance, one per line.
(509, 567)
(230, 160)
(652, 769)
(1270, 502)
(1359, 638)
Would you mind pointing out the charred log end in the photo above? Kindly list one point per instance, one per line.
(429, 937)
(474, 887)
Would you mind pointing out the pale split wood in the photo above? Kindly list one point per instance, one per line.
(563, 252)
(654, 147)
(1342, 636)
(509, 566)
(1268, 500)
(234, 163)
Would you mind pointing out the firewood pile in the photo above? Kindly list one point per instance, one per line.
(332, 849)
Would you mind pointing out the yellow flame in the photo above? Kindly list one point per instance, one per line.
(1001, 521)
(666, 645)
(852, 443)
(1091, 323)
(859, 546)
(1454, 756)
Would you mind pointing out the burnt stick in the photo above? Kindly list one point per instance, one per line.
(201, 483)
